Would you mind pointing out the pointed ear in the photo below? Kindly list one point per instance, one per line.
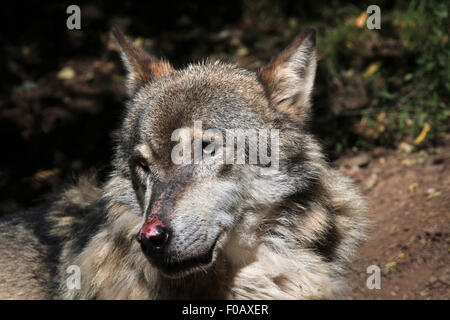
(289, 78)
(141, 66)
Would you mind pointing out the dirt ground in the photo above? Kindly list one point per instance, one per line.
(409, 200)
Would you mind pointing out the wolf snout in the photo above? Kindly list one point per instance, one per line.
(153, 236)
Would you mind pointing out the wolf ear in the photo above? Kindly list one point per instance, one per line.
(141, 66)
(289, 78)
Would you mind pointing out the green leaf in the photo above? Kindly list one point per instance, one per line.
(389, 96)
(408, 77)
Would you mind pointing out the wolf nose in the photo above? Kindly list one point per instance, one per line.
(153, 241)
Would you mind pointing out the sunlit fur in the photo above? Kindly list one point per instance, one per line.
(290, 234)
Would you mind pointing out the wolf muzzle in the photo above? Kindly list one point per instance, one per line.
(153, 234)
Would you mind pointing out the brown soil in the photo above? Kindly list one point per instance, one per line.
(409, 203)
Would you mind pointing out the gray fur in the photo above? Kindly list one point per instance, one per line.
(288, 235)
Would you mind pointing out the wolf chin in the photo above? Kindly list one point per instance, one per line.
(159, 230)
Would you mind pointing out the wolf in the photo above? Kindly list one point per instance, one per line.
(207, 230)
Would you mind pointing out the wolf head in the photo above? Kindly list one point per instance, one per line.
(193, 211)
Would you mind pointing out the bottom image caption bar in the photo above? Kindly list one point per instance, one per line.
(228, 309)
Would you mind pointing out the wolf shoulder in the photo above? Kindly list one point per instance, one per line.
(25, 256)
(32, 241)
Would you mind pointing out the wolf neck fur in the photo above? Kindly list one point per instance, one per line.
(293, 271)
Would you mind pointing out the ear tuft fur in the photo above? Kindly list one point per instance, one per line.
(141, 66)
(289, 78)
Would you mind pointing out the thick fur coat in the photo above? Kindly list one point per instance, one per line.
(232, 232)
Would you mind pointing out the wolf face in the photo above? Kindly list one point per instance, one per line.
(194, 211)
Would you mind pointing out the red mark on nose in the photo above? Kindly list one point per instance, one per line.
(149, 228)
(157, 206)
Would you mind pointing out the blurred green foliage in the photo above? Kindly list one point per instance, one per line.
(393, 80)
(374, 87)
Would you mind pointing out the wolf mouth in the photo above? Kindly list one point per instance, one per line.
(172, 268)
(179, 268)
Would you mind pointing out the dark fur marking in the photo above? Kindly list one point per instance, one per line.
(87, 222)
(225, 170)
(326, 246)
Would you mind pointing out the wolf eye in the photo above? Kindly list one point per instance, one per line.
(143, 165)
(208, 148)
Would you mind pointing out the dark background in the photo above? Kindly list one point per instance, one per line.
(62, 94)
